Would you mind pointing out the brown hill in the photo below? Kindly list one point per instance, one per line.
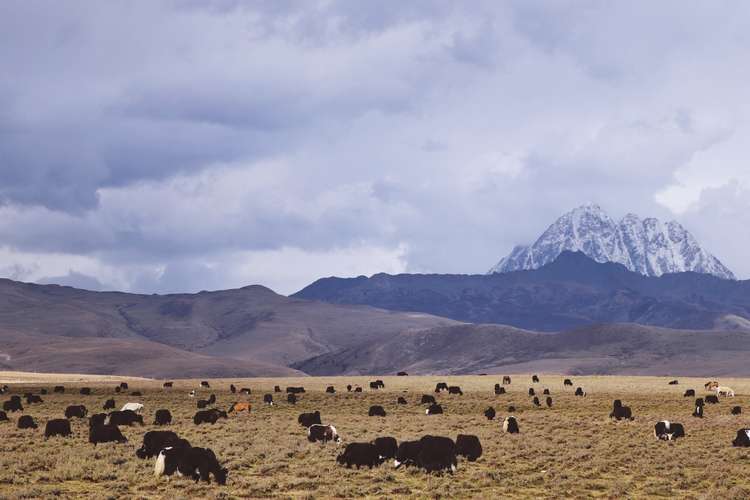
(253, 324)
(600, 349)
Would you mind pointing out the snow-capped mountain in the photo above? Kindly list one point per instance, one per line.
(646, 246)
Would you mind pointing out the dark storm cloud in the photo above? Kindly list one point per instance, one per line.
(164, 146)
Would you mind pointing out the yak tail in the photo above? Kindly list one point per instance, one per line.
(159, 465)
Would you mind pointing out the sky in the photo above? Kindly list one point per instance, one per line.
(180, 146)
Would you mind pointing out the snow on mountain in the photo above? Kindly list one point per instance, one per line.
(647, 246)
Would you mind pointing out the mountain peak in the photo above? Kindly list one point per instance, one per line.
(646, 246)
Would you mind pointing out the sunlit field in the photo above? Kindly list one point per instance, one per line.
(570, 450)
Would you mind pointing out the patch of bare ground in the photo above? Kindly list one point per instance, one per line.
(572, 450)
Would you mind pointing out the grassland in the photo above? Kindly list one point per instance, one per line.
(572, 450)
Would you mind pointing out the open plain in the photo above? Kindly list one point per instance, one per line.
(571, 450)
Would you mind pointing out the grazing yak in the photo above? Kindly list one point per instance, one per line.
(79, 411)
(506, 380)
(291, 399)
(57, 427)
(437, 453)
(192, 393)
(155, 441)
(195, 463)
(33, 398)
(511, 409)
(349, 388)
(376, 411)
(549, 402)
(407, 454)
(168, 385)
(434, 409)
(59, 389)
(246, 391)
(531, 391)
(322, 433)
(441, 386)
(124, 386)
(330, 390)
(567, 382)
(580, 392)
(432, 453)
(136, 393)
(545, 392)
(162, 417)
(742, 439)
(401, 400)
(3, 416)
(536, 401)
(208, 416)
(357, 389)
(13, 404)
(386, 446)
(510, 425)
(232, 388)
(454, 389)
(698, 412)
(295, 390)
(118, 389)
(268, 399)
(711, 385)
(712, 399)
(737, 410)
(108, 433)
(378, 384)
(402, 374)
(620, 412)
(359, 455)
(489, 413)
(97, 419)
(126, 417)
(674, 382)
(668, 431)
(690, 393)
(134, 407)
(499, 390)
(276, 388)
(85, 391)
(26, 422)
(724, 391)
(109, 404)
(308, 419)
(468, 445)
(205, 384)
(427, 399)
(534, 379)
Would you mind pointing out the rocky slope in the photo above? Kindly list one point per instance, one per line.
(601, 349)
(646, 246)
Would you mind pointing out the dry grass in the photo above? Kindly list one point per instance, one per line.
(572, 450)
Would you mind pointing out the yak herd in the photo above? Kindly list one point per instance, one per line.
(173, 454)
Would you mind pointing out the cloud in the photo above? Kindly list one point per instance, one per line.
(164, 146)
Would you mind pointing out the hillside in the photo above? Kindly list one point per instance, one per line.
(603, 349)
(570, 292)
(98, 332)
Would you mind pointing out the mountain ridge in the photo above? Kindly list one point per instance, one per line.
(569, 292)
